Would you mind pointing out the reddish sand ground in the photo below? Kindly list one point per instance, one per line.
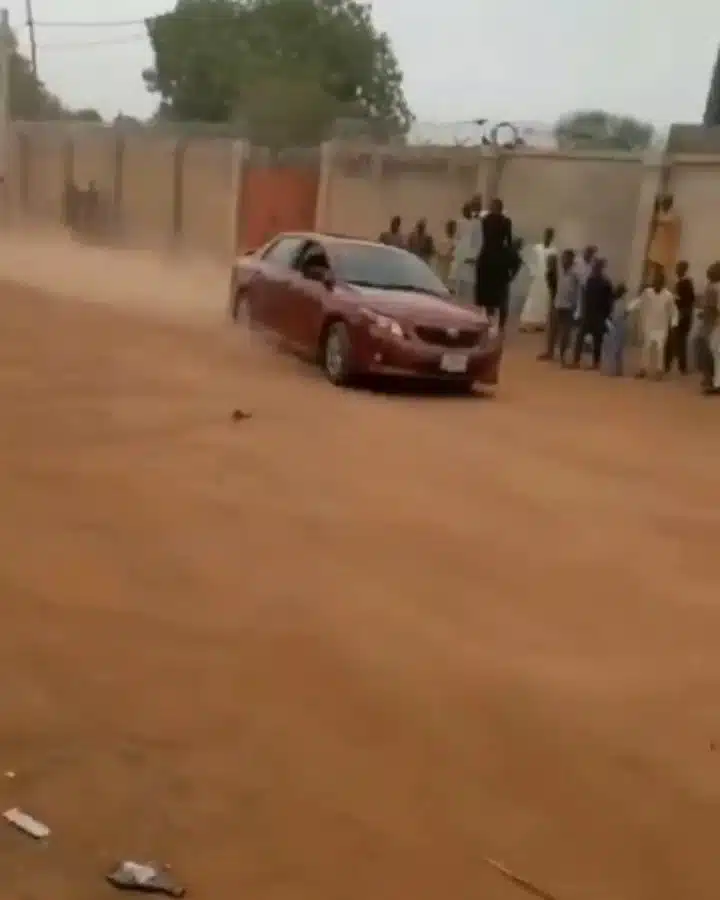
(350, 647)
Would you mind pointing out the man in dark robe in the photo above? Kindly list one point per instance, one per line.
(495, 262)
(678, 339)
(597, 304)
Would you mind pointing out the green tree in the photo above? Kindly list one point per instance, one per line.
(84, 115)
(30, 99)
(712, 107)
(285, 68)
(597, 129)
(128, 122)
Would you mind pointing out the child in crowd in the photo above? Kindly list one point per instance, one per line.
(657, 315)
(617, 333)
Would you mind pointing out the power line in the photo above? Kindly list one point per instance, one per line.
(108, 23)
(90, 45)
(127, 23)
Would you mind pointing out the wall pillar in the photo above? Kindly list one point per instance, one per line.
(25, 173)
(239, 153)
(118, 184)
(654, 181)
(178, 194)
(327, 159)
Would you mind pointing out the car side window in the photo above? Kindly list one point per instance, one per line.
(311, 250)
(284, 251)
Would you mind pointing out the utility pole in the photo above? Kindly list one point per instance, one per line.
(6, 48)
(31, 36)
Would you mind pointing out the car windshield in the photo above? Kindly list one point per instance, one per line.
(386, 268)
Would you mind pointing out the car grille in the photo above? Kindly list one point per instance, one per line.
(448, 337)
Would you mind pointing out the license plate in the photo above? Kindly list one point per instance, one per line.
(454, 362)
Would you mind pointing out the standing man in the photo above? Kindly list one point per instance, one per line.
(709, 335)
(515, 263)
(393, 236)
(421, 243)
(462, 270)
(597, 304)
(565, 301)
(616, 337)
(658, 315)
(446, 253)
(678, 339)
(538, 304)
(478, 207)
(665, 238)
(495, 261)
(583, 267)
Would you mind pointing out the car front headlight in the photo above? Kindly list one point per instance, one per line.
(385, 323)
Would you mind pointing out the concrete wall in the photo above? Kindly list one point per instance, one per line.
(588, 199)
(41, 159)
(210, 185)
(148, 189)
(365, 186)
(695, 183)
(157, 191)
(208, 195)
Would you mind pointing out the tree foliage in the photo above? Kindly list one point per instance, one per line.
(86, 114)
(597, 129)
(712, 106)
(286, 69)
(30, 99)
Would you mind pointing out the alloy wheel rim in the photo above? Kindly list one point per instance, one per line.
(333, 355)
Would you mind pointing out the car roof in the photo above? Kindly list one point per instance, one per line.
(331, 238)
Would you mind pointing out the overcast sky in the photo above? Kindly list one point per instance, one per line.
(522, 60)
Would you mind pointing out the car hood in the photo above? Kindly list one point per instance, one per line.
(408, 306)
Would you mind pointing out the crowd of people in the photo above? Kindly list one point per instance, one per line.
(573, 300)
(478, 258)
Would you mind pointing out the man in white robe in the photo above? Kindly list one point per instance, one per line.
(542, 256)
(467, 247)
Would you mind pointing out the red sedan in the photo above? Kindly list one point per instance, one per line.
(361, 308)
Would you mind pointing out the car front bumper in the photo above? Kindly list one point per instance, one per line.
(413, 359)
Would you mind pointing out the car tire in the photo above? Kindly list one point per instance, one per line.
(336, 354)
(236, 302)
(240, 309)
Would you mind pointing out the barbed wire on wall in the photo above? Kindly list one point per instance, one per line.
(479, 132)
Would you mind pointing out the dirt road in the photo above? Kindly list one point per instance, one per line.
(348, 648)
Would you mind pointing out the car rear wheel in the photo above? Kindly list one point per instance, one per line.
(240, 309)
(337, 354)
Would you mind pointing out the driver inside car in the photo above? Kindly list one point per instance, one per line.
(315, 265)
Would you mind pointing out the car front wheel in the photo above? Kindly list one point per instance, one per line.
(337, 354)
(240, 309)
